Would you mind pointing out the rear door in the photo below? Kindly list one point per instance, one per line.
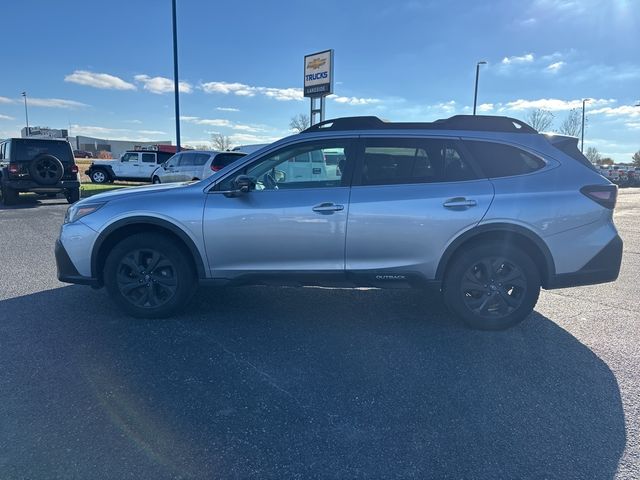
(147, 165)
(410, 197)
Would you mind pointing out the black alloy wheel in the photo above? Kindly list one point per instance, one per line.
(491, 286)
(146, 278)
(150, 275)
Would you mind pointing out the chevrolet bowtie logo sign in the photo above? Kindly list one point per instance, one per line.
(316, 63)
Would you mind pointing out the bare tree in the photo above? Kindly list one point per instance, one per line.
(636, 159)
(220, 142)
(593, 155)
(299, 123)
(572, 124)
(540, 119)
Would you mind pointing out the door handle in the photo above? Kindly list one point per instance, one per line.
(459, 202)
(328, 207)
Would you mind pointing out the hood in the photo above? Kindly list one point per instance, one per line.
(132, 191)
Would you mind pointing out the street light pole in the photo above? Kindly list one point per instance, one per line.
(176, 83)
(26, 112)
(584, 100)
(475, 94)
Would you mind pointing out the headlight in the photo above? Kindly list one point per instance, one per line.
(76, 212)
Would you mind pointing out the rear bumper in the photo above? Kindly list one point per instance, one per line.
(602, 268)
(30, 186)
(67, 272)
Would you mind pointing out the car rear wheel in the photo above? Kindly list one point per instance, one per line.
(72, 195)
(9, 195)
(149, 276)
(492, 287)
(99, 176)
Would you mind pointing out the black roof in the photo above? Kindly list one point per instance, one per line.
(487, 123)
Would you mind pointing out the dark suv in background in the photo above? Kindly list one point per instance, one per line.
(43, 166)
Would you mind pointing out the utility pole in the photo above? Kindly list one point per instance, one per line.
(176, 83)
(26, 112)
(584, 100)
(475, 94)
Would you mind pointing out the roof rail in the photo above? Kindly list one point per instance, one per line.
(487, 123)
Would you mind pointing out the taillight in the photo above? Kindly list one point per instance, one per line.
(216, 168)
(605, 195)
(14, 168)
(74, 169)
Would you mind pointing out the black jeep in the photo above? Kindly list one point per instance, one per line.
(43, 166)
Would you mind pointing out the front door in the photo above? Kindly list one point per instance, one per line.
(285, 224)
(410, 198)
(128, 166)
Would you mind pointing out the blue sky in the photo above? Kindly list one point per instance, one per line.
(105, 69)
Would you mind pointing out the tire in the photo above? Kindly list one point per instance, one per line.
(492, 287)
(73, 195)
(99, 175)
(156, 180)
(9, 195)
(135, 290)
(46, 170)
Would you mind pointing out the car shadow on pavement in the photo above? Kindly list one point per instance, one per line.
(297, 383)
(32, 201)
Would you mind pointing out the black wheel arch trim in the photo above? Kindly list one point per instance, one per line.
(499, 228)
(141, 220)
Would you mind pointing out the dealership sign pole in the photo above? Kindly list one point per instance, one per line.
(318, 82)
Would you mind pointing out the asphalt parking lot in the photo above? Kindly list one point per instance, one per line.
(311, 383)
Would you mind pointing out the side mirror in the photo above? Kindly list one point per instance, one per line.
(244, 183)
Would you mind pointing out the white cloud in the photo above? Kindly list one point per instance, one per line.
(137, 122)
(630, 111)
(119, 133)
(6, 117)
(527, 58)
(227, 109)
(160, 85)
(554, 67)
(99, 80)
(243, 90)
(633, 125)
(54, 103)
(552, 104)
(485, 107)
(220, 122)
(6, 100)
(354, 100)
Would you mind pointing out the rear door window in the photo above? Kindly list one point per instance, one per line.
(395, 161)
(500, 160)
(148, 158)
(29, 149)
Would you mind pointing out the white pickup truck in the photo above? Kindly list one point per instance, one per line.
(133, 165)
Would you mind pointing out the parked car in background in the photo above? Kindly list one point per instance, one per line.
(82, 154)
(133, 165)
(43, 166)
(249, 148)
(483, 209)
(193, 165)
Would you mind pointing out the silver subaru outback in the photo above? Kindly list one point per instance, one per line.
(484, 209)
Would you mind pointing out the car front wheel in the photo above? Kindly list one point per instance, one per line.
(156, 180)
(99, 176)
(149, 276)
(492, 287)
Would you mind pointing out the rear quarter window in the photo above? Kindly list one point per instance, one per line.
(500, 160)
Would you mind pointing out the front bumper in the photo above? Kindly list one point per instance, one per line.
(67, 272)
(602, 268)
